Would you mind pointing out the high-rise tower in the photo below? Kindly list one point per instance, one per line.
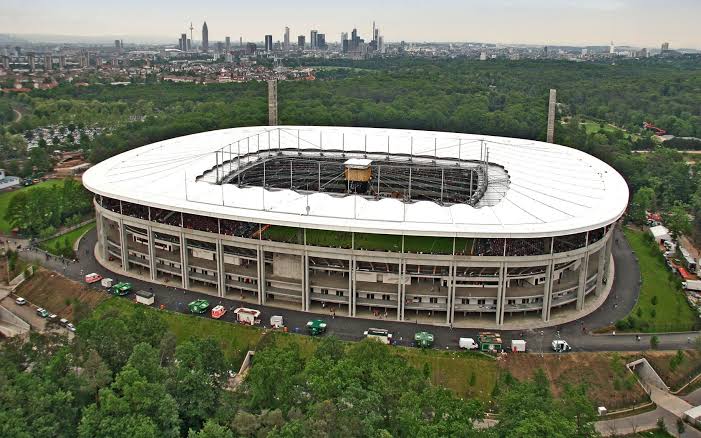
(205, 38)
(286, 39)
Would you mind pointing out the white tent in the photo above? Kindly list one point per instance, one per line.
(660, 233)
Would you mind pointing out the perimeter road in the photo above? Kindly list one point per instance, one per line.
(619, 303)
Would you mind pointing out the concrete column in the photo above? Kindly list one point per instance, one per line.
(123, 245)
(354, 287)
(501, 294)
(306, 295)
(102, 236)
(548, 290)
(151, 253)
(451, 297)
(221, 276)
(581, 287)
(453, 272)
(600, 270)
(261, 275)
(350, 287)
(609, 248)
(400, 292)
(184, 271)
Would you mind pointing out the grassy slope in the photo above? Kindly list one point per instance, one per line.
(235, 340)
(451, 370)
(672, 310)
(6, 197)
(72, 236)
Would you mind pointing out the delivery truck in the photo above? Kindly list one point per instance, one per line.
(144, 297)
(518, 346)
(694, 285)
(247, 316)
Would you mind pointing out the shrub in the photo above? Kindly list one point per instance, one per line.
(653, 300)
(654, 342)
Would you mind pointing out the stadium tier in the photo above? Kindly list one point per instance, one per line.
(410, 225)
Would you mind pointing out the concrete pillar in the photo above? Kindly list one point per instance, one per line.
(609, 248)
(400, 292)
(221, 276)
(600, 270)
(306, 294)
(453, 274)
(123, 245)
(151, 253)
(581, 285)
(102, 236)
(501, 294)
(354, 287)
(272, 102)
(184, 270)
(451, 296)
(261, 275)
(350, 287)
(548, 291)
(552, 105)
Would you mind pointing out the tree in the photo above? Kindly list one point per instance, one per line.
(133, 405)
(642, 202)
(211, 430)
(677, 220)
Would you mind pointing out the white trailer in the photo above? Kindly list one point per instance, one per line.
(276, 321)
(247, 316)
(468, 344)
(144, 297)
(694, 285)
(518, 346)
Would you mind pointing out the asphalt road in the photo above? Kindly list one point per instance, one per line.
(619, 303)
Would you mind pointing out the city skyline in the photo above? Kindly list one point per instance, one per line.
(641, 23)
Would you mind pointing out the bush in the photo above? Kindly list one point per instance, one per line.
(653, 300)
(654, 342)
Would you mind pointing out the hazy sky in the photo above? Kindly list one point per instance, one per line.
(644, 23)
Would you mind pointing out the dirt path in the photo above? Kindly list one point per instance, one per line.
(19, 115)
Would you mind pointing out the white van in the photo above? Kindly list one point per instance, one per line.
(468, 344)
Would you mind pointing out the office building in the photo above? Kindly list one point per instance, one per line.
(268, 43)
(665, 47)
(312, 39)
(182, 43)
(321, 41)
(300, 42)
(286, 39)
(227, 44)
(205, 37)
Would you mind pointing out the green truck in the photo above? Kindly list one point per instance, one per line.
(316, 327)
(423, 339)
(121, 289)
(490, 342)
(198, 306)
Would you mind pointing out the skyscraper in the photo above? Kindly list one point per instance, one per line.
(227, 44)
(665, 47)
(312, 39)
(321, 41)
(205, 38)
(300, 42)
(286, 39)
(183, 42)
(268, 43)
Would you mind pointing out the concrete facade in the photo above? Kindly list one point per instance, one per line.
(431, 288)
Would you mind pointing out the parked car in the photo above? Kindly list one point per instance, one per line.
(20, 301)
(42, 312)
(70, 327)
(93, 278)
(63, 322)
(52, 317)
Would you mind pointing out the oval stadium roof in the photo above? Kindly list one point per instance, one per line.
(551, 189)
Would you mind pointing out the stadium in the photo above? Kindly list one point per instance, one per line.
(434, 227)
